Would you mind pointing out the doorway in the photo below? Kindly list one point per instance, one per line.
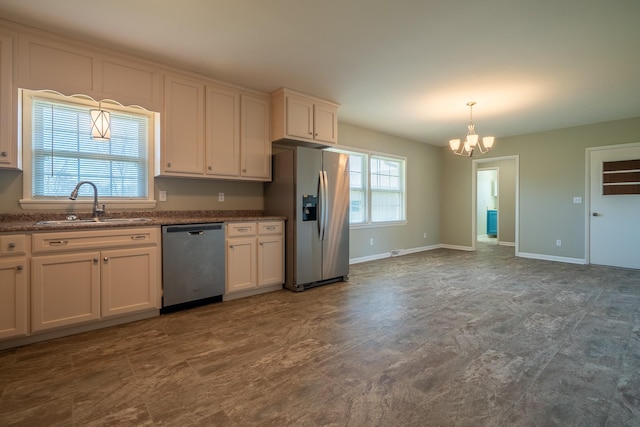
(487, 205)
(614, 203)
(506, 191)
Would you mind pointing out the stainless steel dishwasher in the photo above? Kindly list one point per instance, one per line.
(193, 264)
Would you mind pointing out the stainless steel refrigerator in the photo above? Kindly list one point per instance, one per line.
(311, 188)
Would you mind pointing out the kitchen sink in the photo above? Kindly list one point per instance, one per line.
(95, 221)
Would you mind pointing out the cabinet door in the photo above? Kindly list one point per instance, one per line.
(223, 132)
(8, 146)
(299, 116)
(255, 144)
(325, 121)
(241, 264)
(270, 260)
(129, 280)
(13, 297)
(65, 290)
(183, 136)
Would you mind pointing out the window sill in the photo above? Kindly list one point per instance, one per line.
(377, 224)
(82, 205)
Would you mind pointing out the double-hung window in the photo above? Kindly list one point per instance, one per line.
(59, 152)
(377, 188)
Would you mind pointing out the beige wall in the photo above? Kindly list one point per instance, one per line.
(552, 172)
(423, 193)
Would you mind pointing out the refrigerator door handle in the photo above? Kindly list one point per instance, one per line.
(321, 207)
(325, 205)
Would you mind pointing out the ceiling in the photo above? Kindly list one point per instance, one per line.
(404, 67)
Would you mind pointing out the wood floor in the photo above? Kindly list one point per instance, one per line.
(440, 338)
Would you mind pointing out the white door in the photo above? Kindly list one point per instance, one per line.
(614, 219)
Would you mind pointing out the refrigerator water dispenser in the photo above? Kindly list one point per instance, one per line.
(309, 208)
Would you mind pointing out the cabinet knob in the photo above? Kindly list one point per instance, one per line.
(95, 260)
(168, 165)
(19, 268)
(244, 170)
(106, 259)
(4, 154)
(209, 168)
(12, 245)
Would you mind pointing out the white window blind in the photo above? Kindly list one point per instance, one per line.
(358, 188)
(63, 153)
(387, 189)
(377, 188)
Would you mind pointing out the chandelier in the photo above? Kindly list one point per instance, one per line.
(472, 144)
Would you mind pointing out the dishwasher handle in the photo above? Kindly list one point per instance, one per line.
(196, 233)
(192, 229)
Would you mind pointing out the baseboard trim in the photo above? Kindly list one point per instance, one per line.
(502, 243)
(551, 258)
(394, 253)
(457, 247)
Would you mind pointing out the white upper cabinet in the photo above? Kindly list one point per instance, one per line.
(222, 131)
(9, 150)
(300, 117)
(182, 148)
(214, 131)
(255, 145)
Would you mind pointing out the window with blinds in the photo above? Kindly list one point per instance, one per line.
(377, 188)
(63, 153)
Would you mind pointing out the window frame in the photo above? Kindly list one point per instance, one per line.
(368, 154)
(56, 203)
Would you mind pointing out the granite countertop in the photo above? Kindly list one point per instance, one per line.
(27, 222)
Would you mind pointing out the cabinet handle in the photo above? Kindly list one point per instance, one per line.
(271, 227)
(12, 245)
(242, 229)
(19, 268)
(4, 154)
(106, 259)
(58, 242)
(139, 237)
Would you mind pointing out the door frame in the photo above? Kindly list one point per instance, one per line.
(587, 193)
(474, 197)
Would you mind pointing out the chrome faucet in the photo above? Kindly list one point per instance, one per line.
(97, 211)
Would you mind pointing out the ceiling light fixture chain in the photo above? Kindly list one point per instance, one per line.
(472, 143)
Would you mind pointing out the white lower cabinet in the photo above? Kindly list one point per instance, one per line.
(65, 290)
(255, 255)
(14, 303)
(13, 297)
(129, 280)
(85, 276)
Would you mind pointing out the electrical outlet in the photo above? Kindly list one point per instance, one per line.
(577, 200)
(162, 196)
(371, 242)
(221, 197)
(558, 242)
(425, 235)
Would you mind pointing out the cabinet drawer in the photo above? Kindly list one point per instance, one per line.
(274, 227)
(98, 239)
(14, 244)
(241, 229)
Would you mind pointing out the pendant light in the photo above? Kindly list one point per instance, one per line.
(472, 144)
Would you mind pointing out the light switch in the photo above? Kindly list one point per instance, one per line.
(221, 197)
